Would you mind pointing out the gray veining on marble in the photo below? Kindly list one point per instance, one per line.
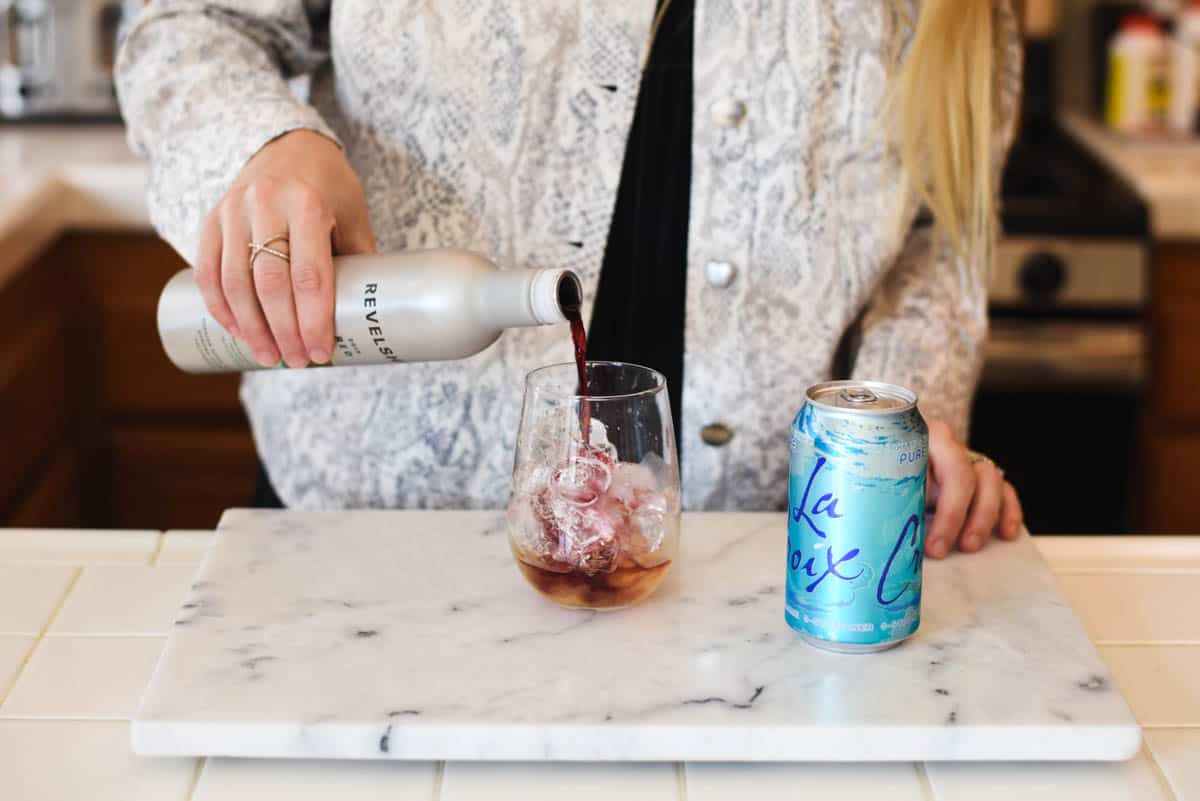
(411, 635)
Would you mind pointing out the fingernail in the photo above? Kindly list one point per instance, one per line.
(237, 332)
(319, 355)
(938, 548)
(266, 358)
(970, 543)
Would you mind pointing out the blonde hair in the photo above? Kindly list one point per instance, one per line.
(944, 108)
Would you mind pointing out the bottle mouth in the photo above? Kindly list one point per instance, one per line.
(555, 296)
(569, 293)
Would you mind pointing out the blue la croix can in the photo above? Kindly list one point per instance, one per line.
(856, 527)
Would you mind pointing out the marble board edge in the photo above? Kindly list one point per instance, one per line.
(490, 742)
(463, 741)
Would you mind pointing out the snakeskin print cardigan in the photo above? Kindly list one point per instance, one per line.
(500, 126)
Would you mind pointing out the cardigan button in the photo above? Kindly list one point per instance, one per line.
(720, 274)
(728, 113)
(716, 434)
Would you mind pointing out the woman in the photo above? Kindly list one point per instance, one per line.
(731, 185)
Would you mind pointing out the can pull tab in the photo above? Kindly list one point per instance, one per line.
(859, 395)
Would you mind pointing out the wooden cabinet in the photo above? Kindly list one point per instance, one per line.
(180, 476)
(55, 498)
(121, 277)
(1171, 426)
(37, 426)
(99, 428)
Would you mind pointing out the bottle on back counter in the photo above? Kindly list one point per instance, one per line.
(415, 306)
(1184, 115)
(1138, 88)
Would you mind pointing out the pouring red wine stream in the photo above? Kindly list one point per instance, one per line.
(579, 337)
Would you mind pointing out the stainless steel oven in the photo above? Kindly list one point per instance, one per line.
(1060, 397)
(1059, 403)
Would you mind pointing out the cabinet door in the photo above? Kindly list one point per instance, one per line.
(35, 415)
(1171, 431)
(176, 476)
(173, 450)
(54, 500)
(120, 277)
(1171, 494)
(97, 427)
(1175, 335)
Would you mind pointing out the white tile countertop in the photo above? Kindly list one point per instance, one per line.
(55, 178)
(83, 615)
(1166, 174)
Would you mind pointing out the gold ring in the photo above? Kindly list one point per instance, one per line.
(974, 457)
(264, 247)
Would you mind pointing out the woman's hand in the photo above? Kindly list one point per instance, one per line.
(972, 500)
(300, 185)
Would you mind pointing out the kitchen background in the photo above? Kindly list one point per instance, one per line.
(1089, 399)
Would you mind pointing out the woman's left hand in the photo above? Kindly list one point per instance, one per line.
(972, 501)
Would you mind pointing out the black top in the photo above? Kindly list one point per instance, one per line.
(638, 316)
(639, 311)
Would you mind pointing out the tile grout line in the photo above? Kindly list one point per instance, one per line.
(681, 780)
(1163, 781)
(923, 780)
(1147, 643)
(41, 635)
(439, 773)
(158, 548)
(1165, 570)
(73, 718)
(70, 562)
(197, 771)
(107, 635)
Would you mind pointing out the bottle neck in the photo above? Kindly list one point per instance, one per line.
(519, 298)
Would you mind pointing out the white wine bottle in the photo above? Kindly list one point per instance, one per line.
(415, 306)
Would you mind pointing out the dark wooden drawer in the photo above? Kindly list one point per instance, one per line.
(120, 277)
(1174, 395)
(97, 427)
(1171, 487)
(54, 500)
(1176, 279)
(34, 414)
(177, 476)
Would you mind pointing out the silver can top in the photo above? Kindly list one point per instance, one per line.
(863, 397)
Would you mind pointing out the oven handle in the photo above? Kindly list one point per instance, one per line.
(1065, 354)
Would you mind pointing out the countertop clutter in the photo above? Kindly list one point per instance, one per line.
(84, 614)
(1166, 174)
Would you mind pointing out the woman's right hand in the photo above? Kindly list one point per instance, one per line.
(300, 185)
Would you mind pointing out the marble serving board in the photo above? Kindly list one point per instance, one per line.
(411, 635)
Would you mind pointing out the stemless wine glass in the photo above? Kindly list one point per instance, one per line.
(594, 521)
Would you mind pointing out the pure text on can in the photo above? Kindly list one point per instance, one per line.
(856, 525)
